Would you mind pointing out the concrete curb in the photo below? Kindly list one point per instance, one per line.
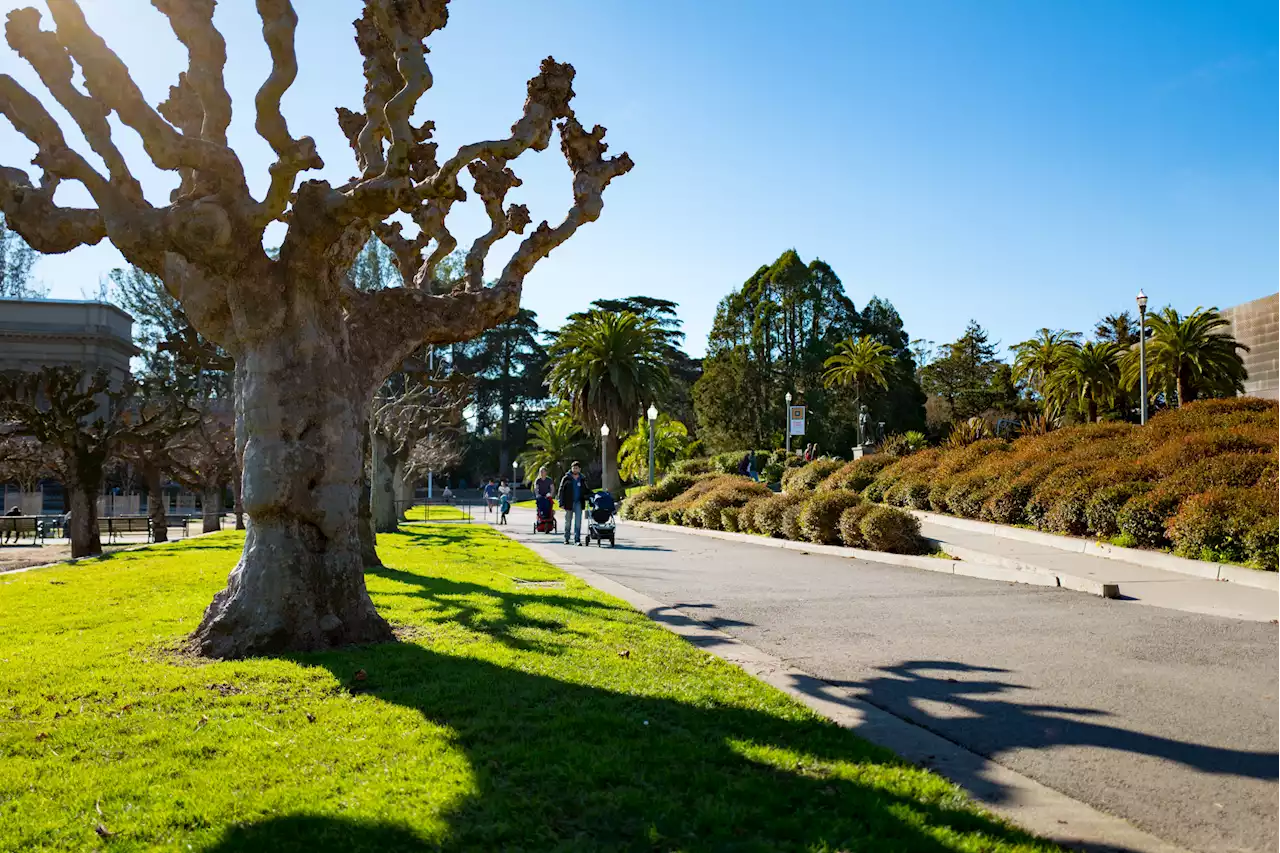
(972, 564)
(1010, 795)
(1076, 545)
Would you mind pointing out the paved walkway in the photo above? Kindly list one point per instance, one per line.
(1140, 584)
(1167, 719)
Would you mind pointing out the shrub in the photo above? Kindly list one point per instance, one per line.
(1223, 524)
(729, 519)
(808, 477)
(851, 524)
(659, 514)
(966, 496)
(885, 528)
(671, 486)
(967, 432)
(1239, 470)
(728, 491)
(874, 492)
(680, 505)
(1101, 510)
(1144, 517)
(903, 444)
(1007, 504)
(858, 474)
(692, 467)
(1067, 514)
(747, 515)
(820, 517)
(938, 494)
(1262, 543)
(638, 500)
(768, 515)
(791, 520)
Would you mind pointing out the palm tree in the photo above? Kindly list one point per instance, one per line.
(1194, 355)
(1090, 375)
(1117, 328)
(1037, 359)
(669, 439)
(608, 366)
(858, 361)
(555, 441)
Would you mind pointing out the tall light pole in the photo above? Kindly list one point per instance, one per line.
(786, 424)
(653, 418)
(1142, 354)
(604, 453)
(515, 474)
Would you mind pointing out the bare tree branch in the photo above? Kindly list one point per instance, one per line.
(45, 226)
(108, 80)
(50, 60)
(279, 22)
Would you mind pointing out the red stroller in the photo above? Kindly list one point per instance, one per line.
(546, 522)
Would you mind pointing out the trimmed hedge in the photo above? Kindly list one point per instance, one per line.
(728, 491)
(768, 515)
(808, 477)
(858, 474)
(885, 528)
(851, 524)
(791, 520)
(820, 517)
(1227, 524)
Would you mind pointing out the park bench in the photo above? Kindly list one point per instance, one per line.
(14, 527)
(176, 521)
(117, 525)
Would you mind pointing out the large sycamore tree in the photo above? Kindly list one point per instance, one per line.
(309, 348)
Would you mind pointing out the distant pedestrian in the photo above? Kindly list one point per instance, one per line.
(573, 496)
(490, 496)
(744, 465)
(504, 506)
(751, 466)
(12, 527)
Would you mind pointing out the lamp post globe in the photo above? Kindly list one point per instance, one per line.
(1142, 355)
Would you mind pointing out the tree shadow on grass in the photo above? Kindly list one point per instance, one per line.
(558, 765)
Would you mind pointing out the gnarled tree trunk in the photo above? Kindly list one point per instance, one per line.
(212, 506)
(385, 517)
(300, 581)
(368, 537)
(82, 527)
(156, 508)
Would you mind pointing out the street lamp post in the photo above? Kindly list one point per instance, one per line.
(604, 454)
(515, 474)
(786, 424)
(1142, 354)
(653, 417)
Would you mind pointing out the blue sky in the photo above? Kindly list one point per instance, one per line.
(1022, 163)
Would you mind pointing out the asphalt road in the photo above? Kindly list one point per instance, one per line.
(1164, 718)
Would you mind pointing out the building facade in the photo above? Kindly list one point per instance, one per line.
(88, 335)
(1256, 324)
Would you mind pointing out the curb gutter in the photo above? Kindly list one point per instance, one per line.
(972, 564)
(1017, 798)
(1151, 559)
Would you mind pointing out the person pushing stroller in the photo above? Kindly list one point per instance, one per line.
(573, 496)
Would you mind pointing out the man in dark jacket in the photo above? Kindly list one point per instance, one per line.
(572, 497)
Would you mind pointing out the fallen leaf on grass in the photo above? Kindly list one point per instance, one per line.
(624, 653)
(311, 718)
(203, 720)
(103, 831)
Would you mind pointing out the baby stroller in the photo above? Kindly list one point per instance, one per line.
(602, 525)
(546, 516)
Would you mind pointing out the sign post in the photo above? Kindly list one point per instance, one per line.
(795, 423)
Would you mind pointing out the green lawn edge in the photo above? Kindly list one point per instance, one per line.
(521, 709)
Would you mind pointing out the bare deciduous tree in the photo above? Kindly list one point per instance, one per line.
(309, 349)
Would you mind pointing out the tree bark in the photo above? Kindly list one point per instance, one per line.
(212, 500)
(299, 584)
(612, 483)
(403, 492)
(384, 487)
(155, 504)
(238, 488)
(83, 525)
(368, 537)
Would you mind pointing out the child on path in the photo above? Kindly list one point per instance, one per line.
(504, 506)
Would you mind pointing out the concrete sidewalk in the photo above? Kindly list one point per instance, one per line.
(1139, 584)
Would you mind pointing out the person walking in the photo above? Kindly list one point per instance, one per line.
(751, 466)
(573, 499)
(744, 465)
(543, 487)
(490, 496)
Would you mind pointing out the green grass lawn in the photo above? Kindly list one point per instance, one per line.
(510, 716)
(530, 504)
(438, 512)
